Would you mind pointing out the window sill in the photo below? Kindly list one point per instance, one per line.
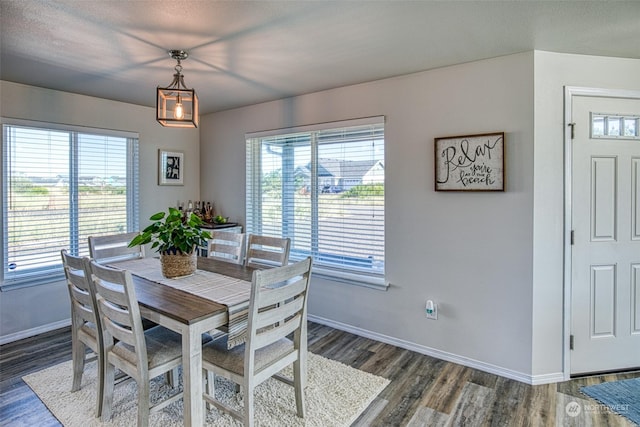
(28, 282)
(372, 282)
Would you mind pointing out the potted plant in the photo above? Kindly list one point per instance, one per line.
(175, 236)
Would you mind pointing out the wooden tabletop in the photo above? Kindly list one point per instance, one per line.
(237, 271)
(182, 306)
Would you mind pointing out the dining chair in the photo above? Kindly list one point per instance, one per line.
(86, 331)
(267, 251)
(114, 247)
(226, 246)
(141, 354)
(277, 308)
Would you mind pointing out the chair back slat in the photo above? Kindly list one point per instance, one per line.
(226, 246)
(280, 291)
(222, 249)
(82, 305)
(115, 313)
(277, 332)
(267, 257)
(267, 251)
(114, 247)
(81, 297)
(119, 331)
(111, 293)
(278, 313)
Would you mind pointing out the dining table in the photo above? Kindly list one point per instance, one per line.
(190, 315)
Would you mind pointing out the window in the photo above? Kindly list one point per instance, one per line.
(60, 186)
(615, 126)
(323, 187)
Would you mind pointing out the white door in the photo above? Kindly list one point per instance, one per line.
(605, 216)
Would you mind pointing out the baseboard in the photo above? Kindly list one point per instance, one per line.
(556, 377)
(34, 331)
(449, 357)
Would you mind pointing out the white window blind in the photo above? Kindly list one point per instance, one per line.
(323, 187)
(60, 187)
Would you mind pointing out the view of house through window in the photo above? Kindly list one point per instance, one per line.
(323, 187)
(59, 187)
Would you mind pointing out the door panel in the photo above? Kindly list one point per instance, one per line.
(603, 195)
(635, 297)
(635, 209)
(603, 289)
(605, 256)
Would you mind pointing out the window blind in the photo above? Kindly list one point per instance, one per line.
(324, 189)
(60, 187)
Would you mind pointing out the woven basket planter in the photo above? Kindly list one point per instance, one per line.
(178, 264)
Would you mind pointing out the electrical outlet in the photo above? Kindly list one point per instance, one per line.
(431, 310)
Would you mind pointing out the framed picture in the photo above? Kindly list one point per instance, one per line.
(170, 167)
(470, 162)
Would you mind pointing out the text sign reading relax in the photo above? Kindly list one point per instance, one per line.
(470, 163)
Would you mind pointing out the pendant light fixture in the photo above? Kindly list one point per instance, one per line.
(176, 105)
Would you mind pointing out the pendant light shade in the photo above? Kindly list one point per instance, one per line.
(176, 105)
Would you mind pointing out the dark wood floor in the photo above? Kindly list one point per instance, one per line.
(424, 391)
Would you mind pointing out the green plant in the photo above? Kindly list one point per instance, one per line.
(173, 233)
(23, 185)
(364, 190)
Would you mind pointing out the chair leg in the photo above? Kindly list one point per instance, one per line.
(211, 387)
(78, 349)
(248, 405)
(143, 403)
(101, 374)
(171, 377)
(107, 394)
(205, 387)
(299, 383)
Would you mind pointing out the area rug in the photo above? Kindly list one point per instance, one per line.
(621, 397)
(336, 394)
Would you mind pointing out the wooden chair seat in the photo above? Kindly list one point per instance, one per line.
(163, 346)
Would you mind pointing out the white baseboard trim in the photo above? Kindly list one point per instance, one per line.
(438, 354)
(556, 377)
(449, 357)
(34, 331)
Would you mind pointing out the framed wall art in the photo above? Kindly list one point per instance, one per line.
(170, 167)
(470, 162)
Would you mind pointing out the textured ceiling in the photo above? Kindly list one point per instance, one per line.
(243, 52)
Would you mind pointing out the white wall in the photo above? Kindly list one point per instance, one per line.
(553, 71)
(17, 314)
(469, 252)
